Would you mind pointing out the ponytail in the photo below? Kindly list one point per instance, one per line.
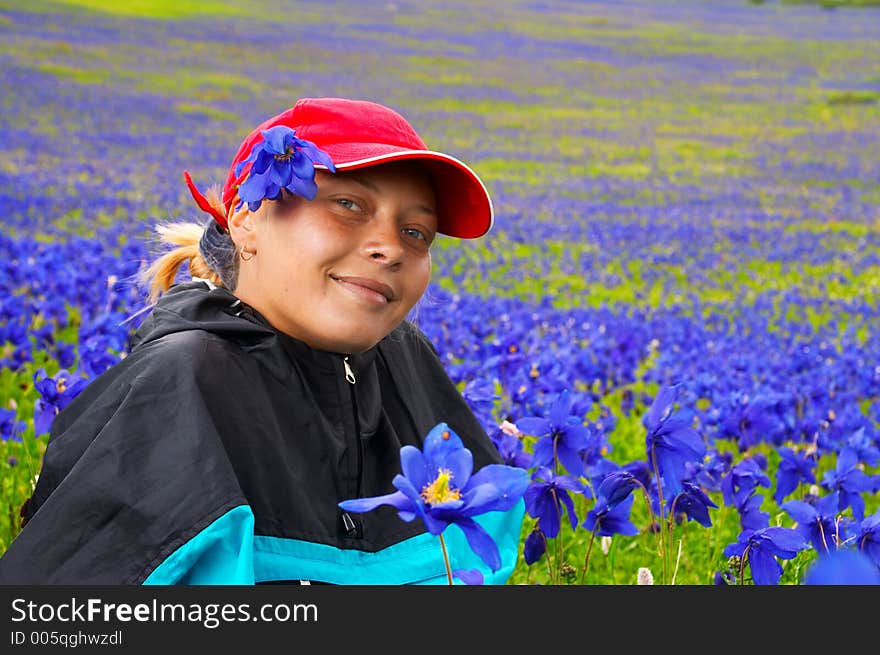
(196, 244)
(161, 274)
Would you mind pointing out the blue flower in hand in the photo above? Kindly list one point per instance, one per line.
(437, 486)
(280, 161)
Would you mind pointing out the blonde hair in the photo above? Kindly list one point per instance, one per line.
(160, 275)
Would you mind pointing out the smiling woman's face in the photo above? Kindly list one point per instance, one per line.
(341, 271)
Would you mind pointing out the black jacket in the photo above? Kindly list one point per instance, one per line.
(217, 452)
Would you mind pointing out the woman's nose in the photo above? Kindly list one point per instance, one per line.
(383, 243)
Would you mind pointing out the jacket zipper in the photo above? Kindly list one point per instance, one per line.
(352, 527)
(349, 374)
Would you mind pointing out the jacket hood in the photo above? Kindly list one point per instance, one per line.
(199, 306)
(196, 306)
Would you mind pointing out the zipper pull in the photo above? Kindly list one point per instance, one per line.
(349, 374)
(349, 524)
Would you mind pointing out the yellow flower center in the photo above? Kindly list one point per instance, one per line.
(61, 386)
(440, 491)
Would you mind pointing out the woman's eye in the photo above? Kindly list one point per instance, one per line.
(415, 233)
(348, 203)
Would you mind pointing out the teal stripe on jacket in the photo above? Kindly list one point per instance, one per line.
(222, 553)
(226, 552)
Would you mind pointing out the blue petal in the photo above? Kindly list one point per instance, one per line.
(263, 162)
(461, 464)
(508, 483)
(543, 453)
(616, 486)
(671, 470)
(272, 190)
(576, 436)
(305, 188)
(613, 525)
(481, 543)
(281, 173)
(846, 460)
(302, 167)
(439, 442)
(828, 504)
(549, 519)
(359, 505)
(256, 148)
(690, 440)
(785, 540)
(561, 409)
(317, 155)
(44, 419)
(535, 546)
(448, 510)
(405, 486)
(414, 467)
(800, 511)
(695, 511)
(534, 426)
(660, 407)
(843, 567)
(435, 526)
(735, 549)
(570, 459)
(469, 576)
(566, 500)
(253, 189)
(532, 497)
(765, 569)
(276, 138)
(567, 482)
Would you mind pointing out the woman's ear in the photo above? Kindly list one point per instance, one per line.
(242, 226)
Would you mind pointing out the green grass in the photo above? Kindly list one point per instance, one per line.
(163, 9)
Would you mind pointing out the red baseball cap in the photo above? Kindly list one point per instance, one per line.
(359, 133)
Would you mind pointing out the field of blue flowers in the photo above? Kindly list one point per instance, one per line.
(673, 325)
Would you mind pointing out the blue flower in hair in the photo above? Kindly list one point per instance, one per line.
(280, 161)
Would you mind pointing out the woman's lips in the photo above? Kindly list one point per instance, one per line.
(367, 287)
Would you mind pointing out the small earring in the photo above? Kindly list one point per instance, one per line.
(250, 254)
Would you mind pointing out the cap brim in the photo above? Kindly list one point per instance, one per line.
(464, 207)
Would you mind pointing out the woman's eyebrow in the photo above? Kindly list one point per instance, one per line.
(372, 186)
(365, 183)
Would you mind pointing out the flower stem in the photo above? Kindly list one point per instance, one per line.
(742, 563)
(587, 556)
(662, 532)
(446, 559)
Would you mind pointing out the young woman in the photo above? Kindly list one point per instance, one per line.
(281, 381)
